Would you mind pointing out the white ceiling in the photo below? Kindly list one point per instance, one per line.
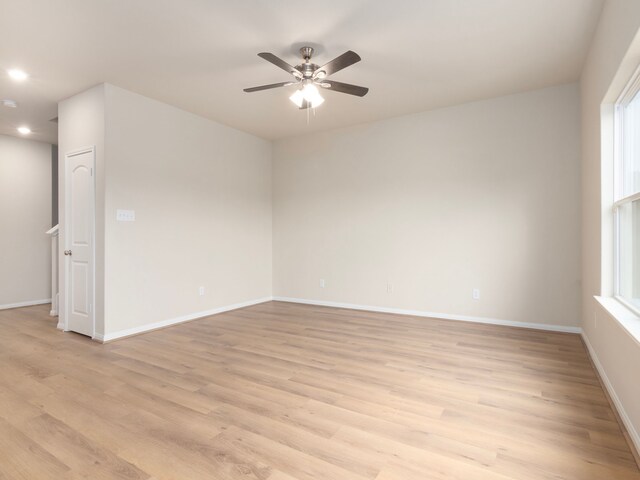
(199, 54)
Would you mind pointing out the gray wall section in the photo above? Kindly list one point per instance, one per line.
(54, 185)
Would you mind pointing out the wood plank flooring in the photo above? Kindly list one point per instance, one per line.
(283, 392)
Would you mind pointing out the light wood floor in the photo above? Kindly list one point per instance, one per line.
(282, 392)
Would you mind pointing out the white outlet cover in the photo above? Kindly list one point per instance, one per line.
(476, 294)
(125, 215)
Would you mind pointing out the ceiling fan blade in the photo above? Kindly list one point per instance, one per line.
(344, 88)
(278, 62)
(338, 63)
(267, 87)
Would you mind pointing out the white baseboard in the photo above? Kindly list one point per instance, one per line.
(444, 316)
(30, 303)
(633, 433)
(108, 337)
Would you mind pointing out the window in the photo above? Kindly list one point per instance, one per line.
(627, 196)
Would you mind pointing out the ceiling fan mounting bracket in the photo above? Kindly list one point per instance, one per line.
(307, 53)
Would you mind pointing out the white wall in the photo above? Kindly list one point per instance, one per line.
(617, 352)
(25, 216)
(202, 199)
(481, 195)
(81, 124)
(202, 196)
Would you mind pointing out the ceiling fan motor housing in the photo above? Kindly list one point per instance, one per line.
(307, 68)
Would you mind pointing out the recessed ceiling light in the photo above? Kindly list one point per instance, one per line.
(17, 74)
(24, 130)
(9, 103)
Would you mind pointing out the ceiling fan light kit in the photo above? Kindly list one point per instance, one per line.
(309, 76)
(310, 94)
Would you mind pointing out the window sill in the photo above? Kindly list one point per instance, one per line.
(629, 320)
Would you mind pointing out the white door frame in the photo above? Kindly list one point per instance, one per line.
(67, 207)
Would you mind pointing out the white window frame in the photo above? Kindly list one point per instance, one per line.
(630, 91)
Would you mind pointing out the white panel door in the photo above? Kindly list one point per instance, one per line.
(79, 241)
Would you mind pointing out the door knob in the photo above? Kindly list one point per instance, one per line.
(67, 252)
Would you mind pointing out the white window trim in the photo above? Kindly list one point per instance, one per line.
(628, 93)
(628, 305)
(627, 199)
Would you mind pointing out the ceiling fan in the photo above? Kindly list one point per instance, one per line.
(311, 76)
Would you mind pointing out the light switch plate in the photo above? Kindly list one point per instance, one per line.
(126, 215)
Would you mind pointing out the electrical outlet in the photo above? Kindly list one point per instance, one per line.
(322, 283)
(476, 294)
(201, 291)
(389, 287)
